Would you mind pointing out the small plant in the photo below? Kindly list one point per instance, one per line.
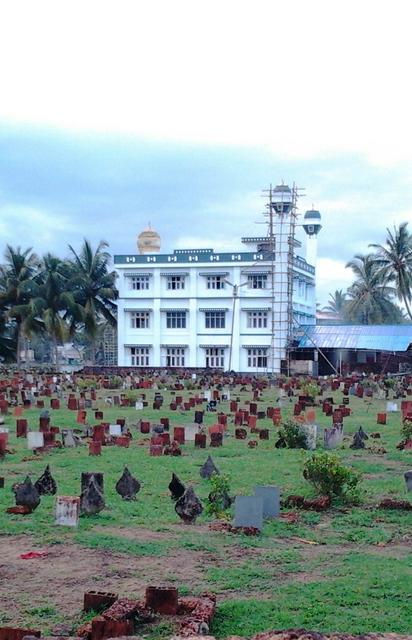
(292, 436)
(406, 429)
(86, 383)
(310, 389)
(116, 382)
(218, 500)
(331, 478)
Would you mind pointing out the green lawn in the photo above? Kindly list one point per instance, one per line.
(356, 578)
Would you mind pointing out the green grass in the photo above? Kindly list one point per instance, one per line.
(271, 581)
(361, 592)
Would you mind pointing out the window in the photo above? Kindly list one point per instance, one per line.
(138, 283)
(302, 288)
(258, 281)
(215, 357)
(215, 319)
(257, 319)
(257, 358)
(175, 282)
(176, 320)
(139, 356)
(215, 282)
(175, 357)
(139, 320)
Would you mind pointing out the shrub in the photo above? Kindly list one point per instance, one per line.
(310, 389)
(406, 430)
(292, 436)
(86, 383)
(218, 500)
(331, 478)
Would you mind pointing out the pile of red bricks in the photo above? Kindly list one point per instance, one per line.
(121, 618)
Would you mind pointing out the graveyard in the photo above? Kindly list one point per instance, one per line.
(275, 553)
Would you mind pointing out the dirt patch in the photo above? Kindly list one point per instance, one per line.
(134, 533)
(59, 579)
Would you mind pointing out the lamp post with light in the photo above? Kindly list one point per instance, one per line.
(235, 289)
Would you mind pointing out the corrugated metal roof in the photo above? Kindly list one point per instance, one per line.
(370, 337)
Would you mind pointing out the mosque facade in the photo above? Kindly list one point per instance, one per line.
(220, 310)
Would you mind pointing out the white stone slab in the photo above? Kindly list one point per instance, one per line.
(35, 440)
(391, 407)
(190, 431)
(67, 511)
(115, 430)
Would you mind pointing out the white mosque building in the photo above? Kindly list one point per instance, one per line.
(233, 310)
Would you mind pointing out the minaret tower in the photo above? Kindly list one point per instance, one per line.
(312, 226)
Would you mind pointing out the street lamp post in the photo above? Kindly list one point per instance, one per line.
(235, 289)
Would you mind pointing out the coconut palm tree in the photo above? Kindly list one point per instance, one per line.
(395, 260)
(94, 288)
(17, 279)
(53, 306)
(370, 296)
(337, 303)
(8, 340)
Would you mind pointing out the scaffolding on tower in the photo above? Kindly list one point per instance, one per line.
(279, 250)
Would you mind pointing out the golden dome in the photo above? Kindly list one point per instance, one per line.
(148, 241)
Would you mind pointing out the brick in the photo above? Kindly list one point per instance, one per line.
(162, 600)
(12, 633)
(98, 600)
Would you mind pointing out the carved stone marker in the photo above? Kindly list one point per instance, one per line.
(67, 511)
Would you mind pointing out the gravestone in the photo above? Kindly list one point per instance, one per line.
(46, 484)
(191, 430)
(127, 486)
(310, 431)
(115, 430)
(216, 439)
(92, 475)
(91, 498)
(188, 507)
(248, 512)
(391, 407)
(208, 469)
(176, 487)
(26, 494)
(200, 440)
(138, 406)
(35, 440)
(67, 511)
(408, 480)
(333, 437)
(271, 500)
(69, 439)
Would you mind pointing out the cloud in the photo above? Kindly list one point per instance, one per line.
(302, 79)
(331, 275)
(57, 188)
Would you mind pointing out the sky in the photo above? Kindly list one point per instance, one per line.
(116, 114)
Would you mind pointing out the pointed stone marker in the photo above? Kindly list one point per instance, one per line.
(208, 469)
(127, 486)
(27, 495)
(176, 487)
(189, 507)
(46, 484)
